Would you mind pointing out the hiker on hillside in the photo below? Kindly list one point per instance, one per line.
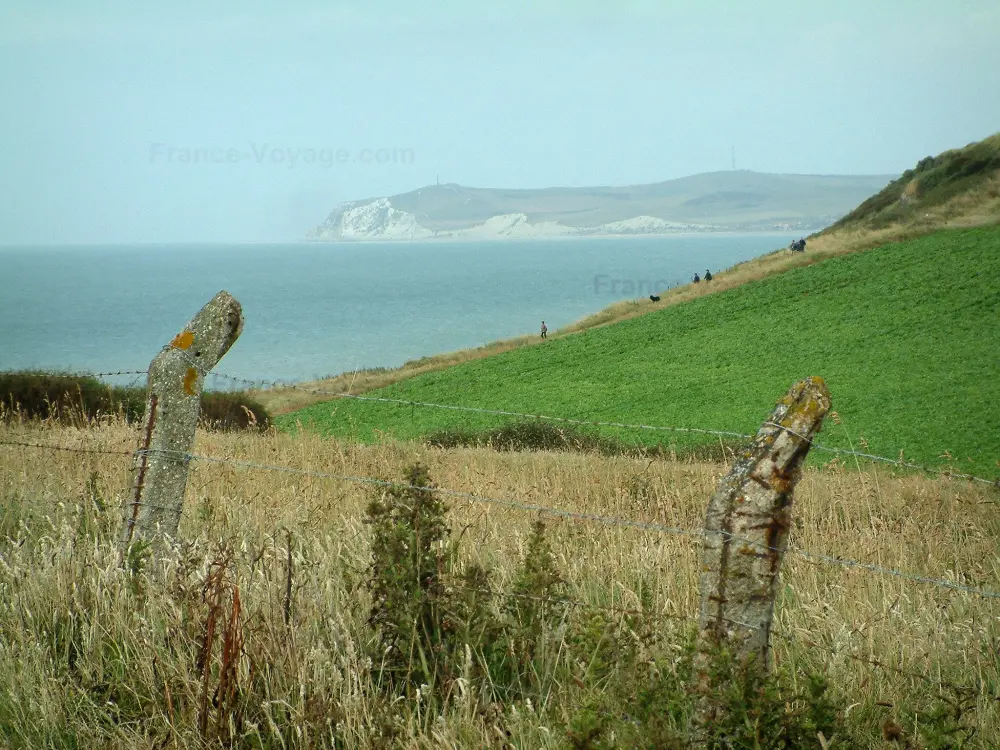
(708, 275)
(696, 279)
(545, 330)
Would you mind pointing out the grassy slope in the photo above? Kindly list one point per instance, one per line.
(905, 336)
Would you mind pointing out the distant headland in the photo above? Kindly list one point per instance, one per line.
(731, 201)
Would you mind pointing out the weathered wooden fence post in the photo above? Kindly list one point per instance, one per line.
(746, 534)
(173, 401)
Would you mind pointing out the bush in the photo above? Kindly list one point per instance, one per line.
(529, 436)
(545, 436)
(67, 398)
(630, 686)
(233, 410)
(651, 704)
(434, 624)
(409, 595)
(79, 399)
(938, 180)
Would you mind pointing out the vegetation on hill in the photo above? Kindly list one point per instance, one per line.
(931, 185)
(903, 334)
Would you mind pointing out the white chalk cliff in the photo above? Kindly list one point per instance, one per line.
(378, 220)
(646, 225)
(727, 201)
(374, 220)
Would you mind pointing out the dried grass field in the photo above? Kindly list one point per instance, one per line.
(254, 630)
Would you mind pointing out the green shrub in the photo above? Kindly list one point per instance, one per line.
(434, 624)
(66, 398)
(78, 399)
(410, 552)
(233, 410)
(938, 180)
(539, 435)
(650, 704)
(534, 435)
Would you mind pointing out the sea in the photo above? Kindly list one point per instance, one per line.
(313, 309)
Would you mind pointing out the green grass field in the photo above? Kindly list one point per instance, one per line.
(906, 336)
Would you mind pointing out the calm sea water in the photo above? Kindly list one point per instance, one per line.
(314, 309)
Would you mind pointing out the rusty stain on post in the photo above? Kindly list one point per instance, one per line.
(143, 464)
(176, 377)
(746, 533)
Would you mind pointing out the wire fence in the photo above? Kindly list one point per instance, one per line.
(258, 384)
(696, 535)
(262, 383)
(644, 614)
(571, 515)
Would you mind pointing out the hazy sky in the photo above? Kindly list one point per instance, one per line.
(180, 121)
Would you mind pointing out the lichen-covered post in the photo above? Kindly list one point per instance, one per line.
(173, 401)
(746, 534)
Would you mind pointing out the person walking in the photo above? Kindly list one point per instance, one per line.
(696, 279)
(545, 330)
(708, 275)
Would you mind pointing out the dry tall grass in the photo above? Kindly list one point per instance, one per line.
(93, 656)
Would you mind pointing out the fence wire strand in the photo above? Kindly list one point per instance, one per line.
(541, 510)
(591, 517)
(646, 615)
(596, 423)
(117, 373)
(262, 383)
(65, 448)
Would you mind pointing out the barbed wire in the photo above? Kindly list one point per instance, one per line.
(262, 382)
(598, 423)
(580, 604)
(65, 448)
(488, 412)
(691, 619)
(117, 373)
(539, 509)
(878, 664)
(389, 484)
(590, 517)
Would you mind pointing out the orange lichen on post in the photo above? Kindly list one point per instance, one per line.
(183, 340)
(190, 378)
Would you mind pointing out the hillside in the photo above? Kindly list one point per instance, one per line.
(904, 335)
(957, 184)
(717, 201)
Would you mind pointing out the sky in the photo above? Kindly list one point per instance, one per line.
(131, 122)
